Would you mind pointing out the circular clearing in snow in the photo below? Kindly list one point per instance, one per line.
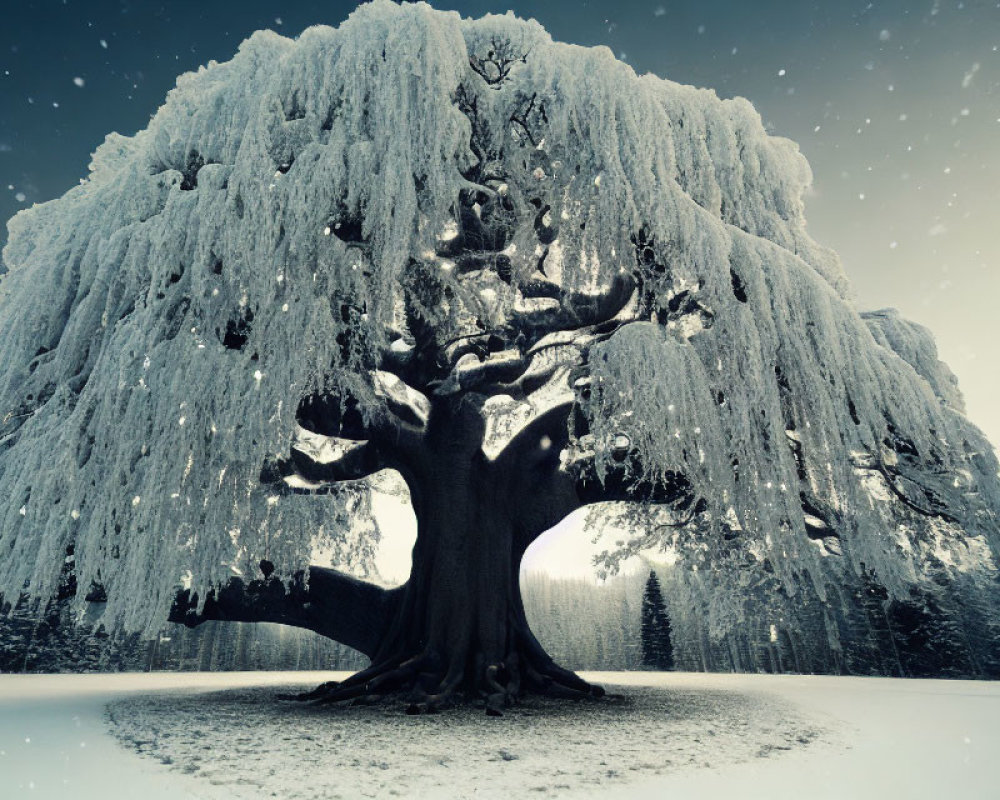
(254, 744)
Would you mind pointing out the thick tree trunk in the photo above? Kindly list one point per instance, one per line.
(457, 629)
(460, 630)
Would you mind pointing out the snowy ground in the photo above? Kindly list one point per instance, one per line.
(212, 736)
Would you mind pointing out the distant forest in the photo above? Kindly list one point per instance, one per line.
(626, 623)
(583, 625)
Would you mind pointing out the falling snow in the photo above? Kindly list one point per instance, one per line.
(721, 197)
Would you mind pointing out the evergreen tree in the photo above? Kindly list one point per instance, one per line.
(657, 648)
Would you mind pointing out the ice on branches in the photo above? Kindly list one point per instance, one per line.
(309, 218)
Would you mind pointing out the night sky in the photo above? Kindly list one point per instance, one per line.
(895, 104)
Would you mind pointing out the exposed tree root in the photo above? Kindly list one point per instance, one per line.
(426, 688)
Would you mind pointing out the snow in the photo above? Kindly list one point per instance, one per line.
(55, 743)
(900, 738)
(224, 735)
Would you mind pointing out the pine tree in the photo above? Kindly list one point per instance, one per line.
(657, 648)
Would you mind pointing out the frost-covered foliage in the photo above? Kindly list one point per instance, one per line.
(810, 438)
(254, 244)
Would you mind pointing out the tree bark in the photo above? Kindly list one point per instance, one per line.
(457, 629)
(323, 600)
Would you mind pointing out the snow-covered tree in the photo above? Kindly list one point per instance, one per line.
(508, 269)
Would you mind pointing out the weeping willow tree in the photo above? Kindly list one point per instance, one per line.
(511, 271)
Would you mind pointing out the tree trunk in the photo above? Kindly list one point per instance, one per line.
(460, 629)
(457, 628)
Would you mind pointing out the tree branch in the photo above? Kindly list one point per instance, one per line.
(360, 461)
(356, 463)
(472, 375)
(407, 406)
(573, 319)
(325, 601)
(575, 310)
(890, 478)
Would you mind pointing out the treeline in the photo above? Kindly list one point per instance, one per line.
(587, 626)
(660, 618)
(854, 628)
(582, 625)
(52, 643)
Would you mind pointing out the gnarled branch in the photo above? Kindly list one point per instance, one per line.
(357, 462)
(890, 476)
(325, 601)
(574, 310)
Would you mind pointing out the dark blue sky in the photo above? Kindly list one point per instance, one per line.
(896, 105)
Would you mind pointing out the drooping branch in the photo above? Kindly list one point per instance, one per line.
(890, 475)
(875, 463)
(625, 479)
(327, 602)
